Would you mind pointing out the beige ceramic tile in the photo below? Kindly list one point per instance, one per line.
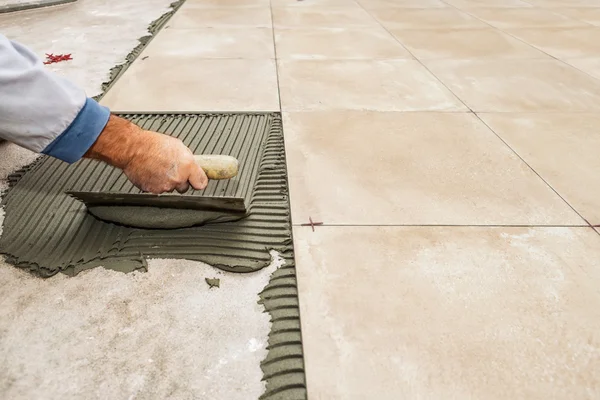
(426, 19)
(213, 43)
(523, 17)
(372, 168)
(375, 4)
(338, 43)
(228, 3)
(589, 15)
(193, 16)
(519, 85)
(322, 17)
(464, 44)
(563, 149)
(386, 85)
(563, 42)
(450, 313)
(590, 66)
(192, 84)
(488, 3)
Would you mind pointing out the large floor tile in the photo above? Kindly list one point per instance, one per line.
(192, 84)
(450, 313)
(563, 43)
(386, 85)
(590, 66)
(322, 17)
(426, 19)
(523, 17)
(519, 85)
(588, 15)
(464, 44)
(213, 43)
(338, 43)
(488, 3)
(371, 168)
(375, 4)
(194, 16)
(563, 149)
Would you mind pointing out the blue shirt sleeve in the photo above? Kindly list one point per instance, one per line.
(83, 132)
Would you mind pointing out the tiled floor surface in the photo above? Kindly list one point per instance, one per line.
(451, 150)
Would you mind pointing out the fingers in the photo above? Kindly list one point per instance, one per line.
(197, 178)
(164, 164)
(183, 187)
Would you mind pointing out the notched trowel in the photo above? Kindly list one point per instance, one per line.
(169, 211)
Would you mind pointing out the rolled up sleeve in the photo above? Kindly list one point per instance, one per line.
(42, 111)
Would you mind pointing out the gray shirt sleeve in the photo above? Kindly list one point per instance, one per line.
(42, 111)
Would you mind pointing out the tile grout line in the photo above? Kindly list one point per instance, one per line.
(275, 57)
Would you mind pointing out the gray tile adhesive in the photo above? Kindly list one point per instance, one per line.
(47, 231)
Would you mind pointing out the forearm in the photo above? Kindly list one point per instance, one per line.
(118, 144)
(42, 111)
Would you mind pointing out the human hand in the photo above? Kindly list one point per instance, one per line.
(163, 165)
(152, 161)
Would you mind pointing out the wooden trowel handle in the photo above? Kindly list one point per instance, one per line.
(218, 166)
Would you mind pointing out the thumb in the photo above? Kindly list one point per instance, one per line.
(197, 178)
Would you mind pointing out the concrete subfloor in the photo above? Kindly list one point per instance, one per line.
(156, 335)
(457, 257)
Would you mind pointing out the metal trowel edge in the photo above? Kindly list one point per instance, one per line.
(176, 201)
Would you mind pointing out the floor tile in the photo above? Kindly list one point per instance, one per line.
(375, 4)
(426, 19)
(523, 17)
(488, 3)
(563, 42)
(192, 16)
(449, 313)
(385, 85)
(563, 149)
(590, 66)
(338, 43)
(588, 15)
(372, 168)
(464, 44)
(213, 43)
(191, 84)
(322, 17)
(531, 85)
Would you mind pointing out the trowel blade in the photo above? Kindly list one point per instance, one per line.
(178, 201)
